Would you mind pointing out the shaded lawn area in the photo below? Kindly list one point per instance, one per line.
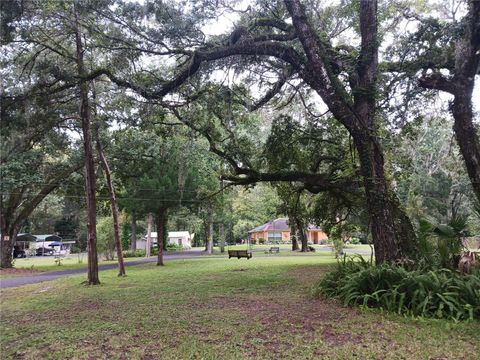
(214, 308)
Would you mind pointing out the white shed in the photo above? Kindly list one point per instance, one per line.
(181, 238)
(142, 243)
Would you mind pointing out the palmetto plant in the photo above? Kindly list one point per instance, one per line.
(449, 240)
(439, 293)
(440, 245)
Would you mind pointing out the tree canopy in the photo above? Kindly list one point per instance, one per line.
(330, 99)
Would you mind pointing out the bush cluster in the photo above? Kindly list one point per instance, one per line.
(170, 247)
(133, 253)
(437, 293)
(174, 247)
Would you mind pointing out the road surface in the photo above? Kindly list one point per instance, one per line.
(52, 275)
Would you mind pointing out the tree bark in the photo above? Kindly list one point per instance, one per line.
(206, 228)
(148, 245)
(209, 240)
(387, 247)
(114, 207)
(466, 133)
(294, 242)
(90, 185)
(7, 237)
(291, 212)
(293, 234)
(133, 237)
(221, 230)
(222, 237)
(161, 229)
(302, 234)
(467, 61)
(380, 211)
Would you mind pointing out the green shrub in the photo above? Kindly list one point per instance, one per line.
(440, 293)
(133, 253)
(75, 249)
(174, 247)
(105, 237)
(170, 247)
(355, 241)
(336, 236)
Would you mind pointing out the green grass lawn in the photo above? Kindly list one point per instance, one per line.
(284, 248)
(214, 308)
(47, 263)
(40, 264)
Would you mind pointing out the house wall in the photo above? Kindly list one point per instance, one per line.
(316, 236)
(141, 244)
(264, 234)
(185, 241)
(259, 235)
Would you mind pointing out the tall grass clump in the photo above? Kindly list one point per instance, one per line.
(435, 293)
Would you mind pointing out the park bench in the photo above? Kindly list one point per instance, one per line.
(273, 250)
(239, 254)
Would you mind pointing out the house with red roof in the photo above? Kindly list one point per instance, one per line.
(278, 231)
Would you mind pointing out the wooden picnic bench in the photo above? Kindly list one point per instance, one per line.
(239, 254)
(273, 250)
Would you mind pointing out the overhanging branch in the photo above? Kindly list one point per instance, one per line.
(438, 82)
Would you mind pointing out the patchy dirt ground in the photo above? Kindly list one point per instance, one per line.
(214, 310)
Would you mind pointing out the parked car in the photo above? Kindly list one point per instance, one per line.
(19, 253)
(45, 252)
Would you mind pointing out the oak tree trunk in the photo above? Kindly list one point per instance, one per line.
(302, 234)
(7, 239)
(380, 211)
(222, 237)
(89, 162)
(293, 235)
(148, 245)
(366, 142)
(467, 63)
(161, 229)
(209, 240)
(133, 237)
(466, 132)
